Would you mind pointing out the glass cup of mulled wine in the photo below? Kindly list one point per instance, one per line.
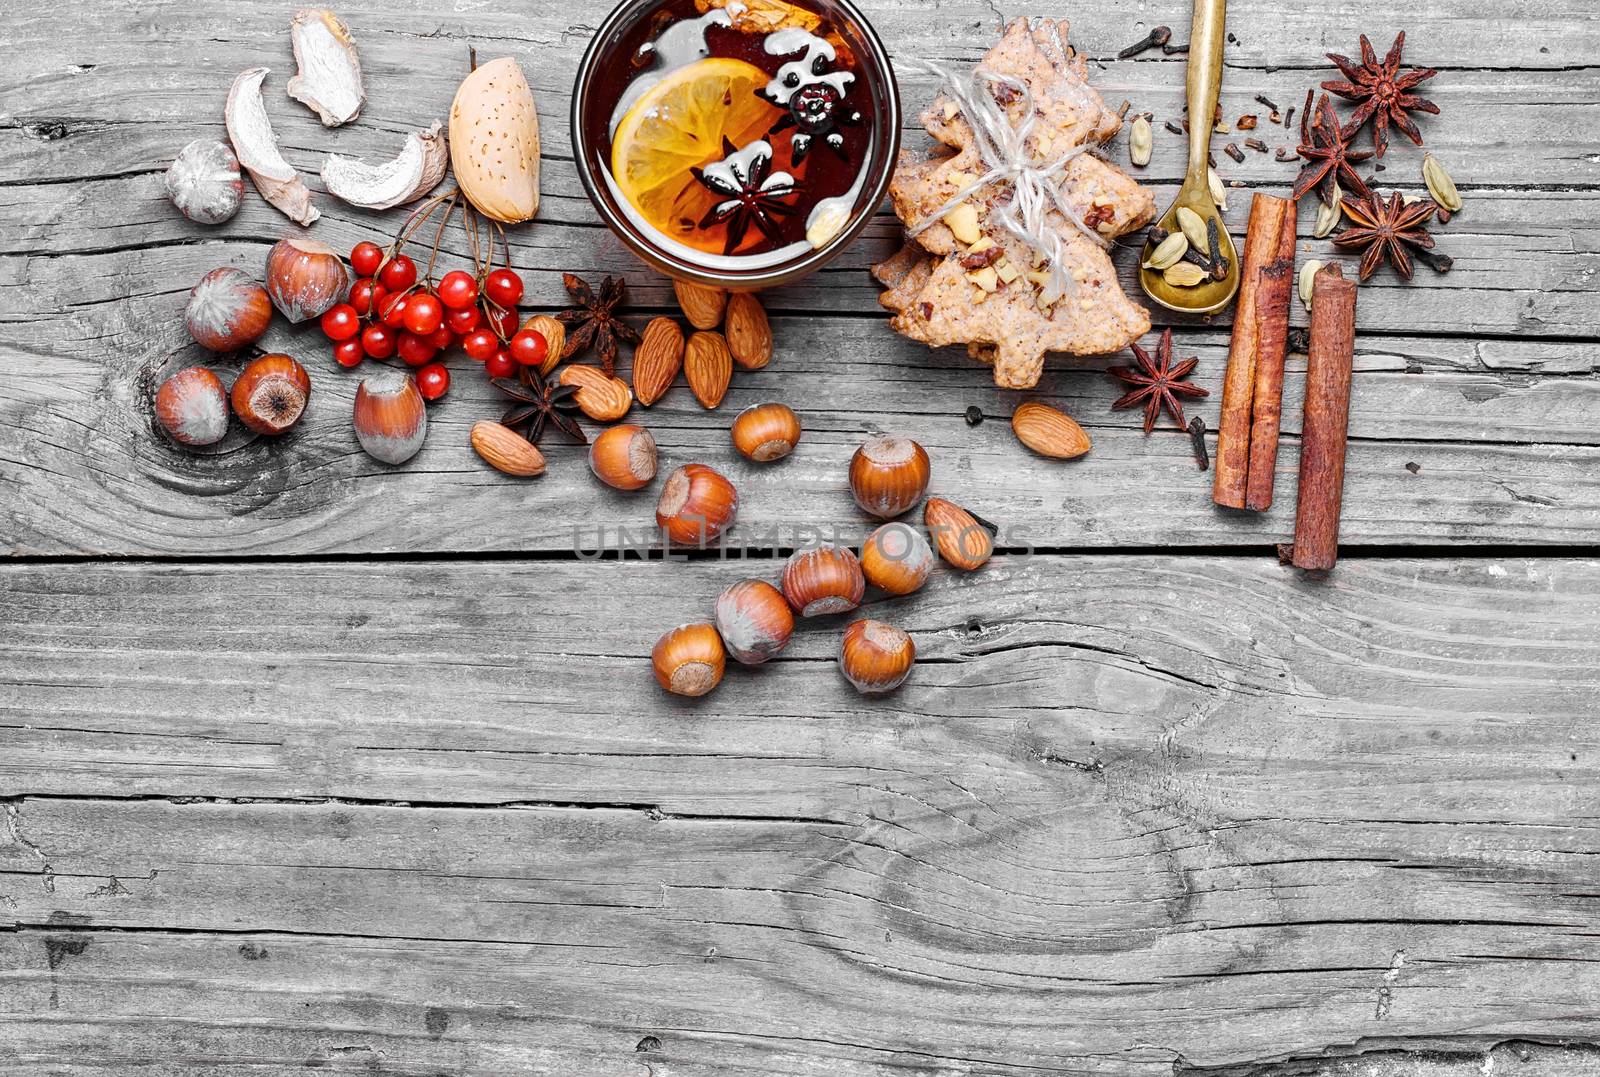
(736, 143)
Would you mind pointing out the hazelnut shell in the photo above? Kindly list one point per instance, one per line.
(270, 394)
(755, 621)
(888, 475)
(192, 406)
(823, 580)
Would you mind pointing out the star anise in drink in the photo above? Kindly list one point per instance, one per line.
(1383, 92)
(1328, 156)
(539, 403)
(1386, 229)
(1158, 383)
(752, 194)
(594, 320)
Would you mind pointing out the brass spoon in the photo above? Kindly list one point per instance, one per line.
(1204, 83)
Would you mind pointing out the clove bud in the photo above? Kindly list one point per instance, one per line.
(1158, 35)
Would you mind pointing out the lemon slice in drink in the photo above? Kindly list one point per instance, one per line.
(679, 124)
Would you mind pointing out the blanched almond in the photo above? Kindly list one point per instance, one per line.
(748, 332)
(506, 450)
(708, 367)
(600, 396)
(1048, 432)
(702, 305)
(657, 360)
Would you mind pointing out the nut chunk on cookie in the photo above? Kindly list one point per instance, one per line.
(967, 277)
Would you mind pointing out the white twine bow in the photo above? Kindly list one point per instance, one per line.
(1035, 186)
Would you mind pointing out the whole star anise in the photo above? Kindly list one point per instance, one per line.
(1386, 229)
(1328, 157)
(538, 402)
(594, 321)
(1158, 383)
(1385, 94)
(751, 193)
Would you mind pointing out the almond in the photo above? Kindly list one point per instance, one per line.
(555, 338)
(702, 305)
(657, 360)
(749, 334)
(708, 366)
(506, 450)
(1048, 432)
(600, 396)
(957, 534)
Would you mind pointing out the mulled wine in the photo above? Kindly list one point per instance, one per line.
(736, 138)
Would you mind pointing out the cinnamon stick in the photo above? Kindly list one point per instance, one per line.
(1260, 324)
(1276, 286)
(1327, 417)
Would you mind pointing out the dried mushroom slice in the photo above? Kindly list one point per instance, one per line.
(329, 77)
(416, 171)
(256, 146)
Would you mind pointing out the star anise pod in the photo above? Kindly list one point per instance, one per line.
(593, 319)
(1157, 383)
(539, 402)
(1328, 157)
(1386, 229)
(751, 193)
(1385, 94)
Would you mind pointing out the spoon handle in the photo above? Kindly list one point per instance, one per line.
(1205, 81)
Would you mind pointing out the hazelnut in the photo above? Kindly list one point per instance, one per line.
(204, 181)
(192, 406)
(888, 475)
(689, 660)
(391, 418)
(823, 580)
(270, 394)
(227, 310)
(305, 278)
(766, 432)
(896, 558)
(755, 621)
(875, 657)
(624, 457)
(697, 504)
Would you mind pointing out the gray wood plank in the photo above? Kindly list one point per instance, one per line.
(1228, 682)
(94, 264)
(1460, 441)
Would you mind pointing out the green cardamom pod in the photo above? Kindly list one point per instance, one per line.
(1219, 194)
(1167, 252)
(1184, 274)
(1308, 277)
(1140, 142)
(1193, 226)
(1440, 185)
(1328, 215)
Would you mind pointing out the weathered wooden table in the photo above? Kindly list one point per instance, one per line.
(310, 763)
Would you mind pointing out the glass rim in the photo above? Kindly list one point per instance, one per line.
(683, 269)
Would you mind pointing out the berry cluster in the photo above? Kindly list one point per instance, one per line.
(392, 313)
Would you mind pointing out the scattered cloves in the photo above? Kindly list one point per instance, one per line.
(1197, 439)
(1256, 144)
(1235, 152)
(1158, 36)
(1439, 263)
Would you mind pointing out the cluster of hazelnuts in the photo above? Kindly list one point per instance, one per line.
(753, 620)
